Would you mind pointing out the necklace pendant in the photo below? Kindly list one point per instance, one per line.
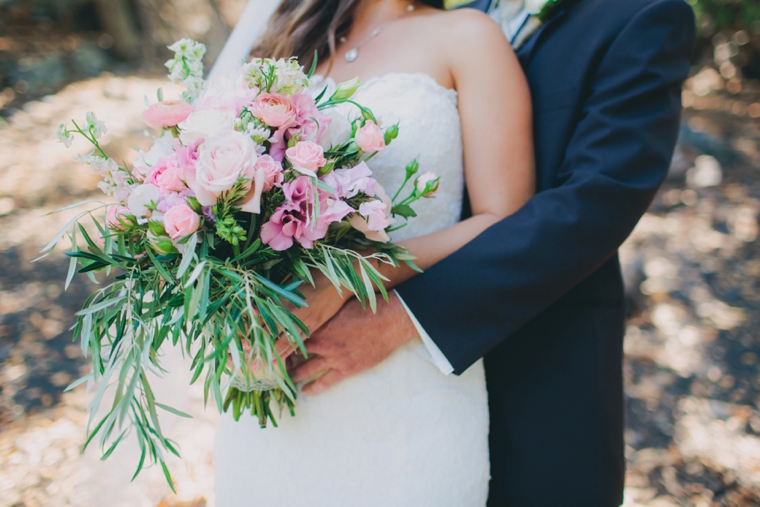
(352, 55)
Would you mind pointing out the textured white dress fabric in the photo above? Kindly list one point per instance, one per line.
(401, 434)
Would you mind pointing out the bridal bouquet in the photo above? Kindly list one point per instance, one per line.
(252, 185)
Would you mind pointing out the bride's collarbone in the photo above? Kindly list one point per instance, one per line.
(403, 50)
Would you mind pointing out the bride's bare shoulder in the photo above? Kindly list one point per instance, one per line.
(464, 30)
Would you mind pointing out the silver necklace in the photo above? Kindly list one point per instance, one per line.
(353, 53)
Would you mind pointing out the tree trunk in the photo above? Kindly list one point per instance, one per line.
(165, 21)
(116, 18)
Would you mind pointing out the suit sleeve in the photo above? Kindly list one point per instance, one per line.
(615, 161)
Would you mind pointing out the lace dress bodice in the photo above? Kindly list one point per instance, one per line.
(402, 433)
(430, 131)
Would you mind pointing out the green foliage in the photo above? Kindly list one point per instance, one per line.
(723, 15)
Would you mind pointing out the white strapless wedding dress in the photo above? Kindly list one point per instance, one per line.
(402, 434)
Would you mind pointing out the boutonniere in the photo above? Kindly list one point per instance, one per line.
(541, 12)
(546, 8)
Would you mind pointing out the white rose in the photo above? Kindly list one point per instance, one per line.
(339, 129)
(202, 124)
(140, 197)
(222, 160)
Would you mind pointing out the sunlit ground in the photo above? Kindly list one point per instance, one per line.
(692, 267)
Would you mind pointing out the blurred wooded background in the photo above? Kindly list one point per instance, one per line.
(692, 266)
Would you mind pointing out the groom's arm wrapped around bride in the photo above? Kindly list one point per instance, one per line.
(540, 294)
(604, 141)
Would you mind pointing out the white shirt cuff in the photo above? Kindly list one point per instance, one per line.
(434, 354)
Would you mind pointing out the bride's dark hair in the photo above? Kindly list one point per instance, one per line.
(301, 27)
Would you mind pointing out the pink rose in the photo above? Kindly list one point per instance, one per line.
(307, 157)
(427, 184)
(370, 138)
(222, 161)
(267, 173)
(181, 221)
(272, 172)
(116, 217)
(167, 113)
(274, 110)
(167, 175)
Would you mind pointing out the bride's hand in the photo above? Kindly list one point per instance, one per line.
(323, 303)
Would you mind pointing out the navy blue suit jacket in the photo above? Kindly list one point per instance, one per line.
(539, 295)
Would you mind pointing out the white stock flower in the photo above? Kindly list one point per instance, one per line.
(253, 72)
(290, 77)
(189, 49)
(258, 134)
(64, 136)
(97, 127)
(203, 124)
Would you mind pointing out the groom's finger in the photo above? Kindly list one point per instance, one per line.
(308, 370)
(284, 347)
(324, 383)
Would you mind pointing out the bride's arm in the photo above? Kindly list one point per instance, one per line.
(497, 134)
(497, 130)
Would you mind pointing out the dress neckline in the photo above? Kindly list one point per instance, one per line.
(414, 75)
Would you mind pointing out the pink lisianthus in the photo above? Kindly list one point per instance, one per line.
(348, 183)
(374, 217)
(277, 145)
(370, 138)
(375, 212)
(181, 221)
(116, 217)
(172, 199)
(275, 110)
(168, 113)
(307, 157)
(187, 156)
(291, 221)
(309, 122)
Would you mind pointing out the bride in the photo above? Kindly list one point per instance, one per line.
(402, 434)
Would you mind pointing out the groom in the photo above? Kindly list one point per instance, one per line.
(539, 295)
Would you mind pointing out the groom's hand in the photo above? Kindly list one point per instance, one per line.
(354, 341)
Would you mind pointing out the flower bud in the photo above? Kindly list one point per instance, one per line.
(412, 168)
(161, 244)
(156, 228)
(346, 89)
(391, 133)
(427, 184)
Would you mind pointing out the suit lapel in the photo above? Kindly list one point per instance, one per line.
(525, 53)
(481, 5)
